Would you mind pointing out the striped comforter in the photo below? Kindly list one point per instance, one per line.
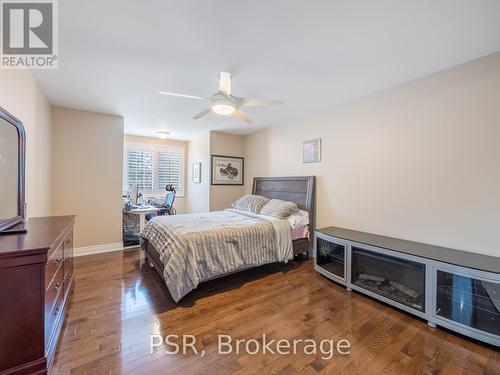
(197, 247)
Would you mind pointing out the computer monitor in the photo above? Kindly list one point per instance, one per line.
(134, 195)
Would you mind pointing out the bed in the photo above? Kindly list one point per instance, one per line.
(186, 250)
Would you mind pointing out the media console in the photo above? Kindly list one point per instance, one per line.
(451, 288)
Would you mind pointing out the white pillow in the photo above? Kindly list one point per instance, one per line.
(278, 208)
(250, 203)
(298, 219)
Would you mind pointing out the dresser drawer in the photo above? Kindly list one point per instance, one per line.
(68, 246)
(68, 269)
(52, 291)
(68, 257)
(52, 315)
(55, 260)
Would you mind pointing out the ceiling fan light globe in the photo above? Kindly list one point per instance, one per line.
(223, 108)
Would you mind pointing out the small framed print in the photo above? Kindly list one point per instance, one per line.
(196, 173)
(311, 151)
(227, 170)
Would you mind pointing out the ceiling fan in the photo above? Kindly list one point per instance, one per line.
(223, 103)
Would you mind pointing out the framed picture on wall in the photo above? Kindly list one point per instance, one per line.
(196, 173)
(311, 151)
(227, 170)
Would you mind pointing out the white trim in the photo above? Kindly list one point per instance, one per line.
(131, 247)
(98, 249)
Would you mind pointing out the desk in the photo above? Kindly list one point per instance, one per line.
(142, 211)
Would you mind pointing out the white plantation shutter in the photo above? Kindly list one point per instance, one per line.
(169, 169)
(153, 167)
(140, 169)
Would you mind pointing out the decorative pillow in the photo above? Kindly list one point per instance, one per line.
(250, 203)
(298, 219)
(278, 208)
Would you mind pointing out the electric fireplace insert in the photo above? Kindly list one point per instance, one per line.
(398, 279)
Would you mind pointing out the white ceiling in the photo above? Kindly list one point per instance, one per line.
(115, 55)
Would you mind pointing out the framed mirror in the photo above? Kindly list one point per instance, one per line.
(12, 168)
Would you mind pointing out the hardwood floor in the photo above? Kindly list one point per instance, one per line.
(118, 303)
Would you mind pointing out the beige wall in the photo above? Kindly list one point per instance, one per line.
(87, 174)
(420, 161)
(221, 197)
(180, 202)
(20, 95)
(205, 197)
(199, 194)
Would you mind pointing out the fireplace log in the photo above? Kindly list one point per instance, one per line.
(366, 276)
(404, 289)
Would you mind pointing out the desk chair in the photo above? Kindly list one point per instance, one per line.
(169, 205)
(166, 208)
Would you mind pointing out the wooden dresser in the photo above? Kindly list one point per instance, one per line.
(36, 281)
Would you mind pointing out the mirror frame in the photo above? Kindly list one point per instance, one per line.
(5, 224)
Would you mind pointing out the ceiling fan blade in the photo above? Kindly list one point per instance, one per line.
(242, 115)
(252, 102)
(225, 83)
(202, 113)
(183, 95)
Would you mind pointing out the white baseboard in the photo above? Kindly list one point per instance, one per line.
(98, 249)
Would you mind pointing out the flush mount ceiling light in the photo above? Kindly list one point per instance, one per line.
(223, 103)
(162, 135)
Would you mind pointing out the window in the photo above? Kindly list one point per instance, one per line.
(169, 169)
(140, 169)
(153, 167)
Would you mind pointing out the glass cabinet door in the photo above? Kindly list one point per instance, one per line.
(330, 256)
(472, 302)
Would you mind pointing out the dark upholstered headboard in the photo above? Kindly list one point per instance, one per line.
(300, 190)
